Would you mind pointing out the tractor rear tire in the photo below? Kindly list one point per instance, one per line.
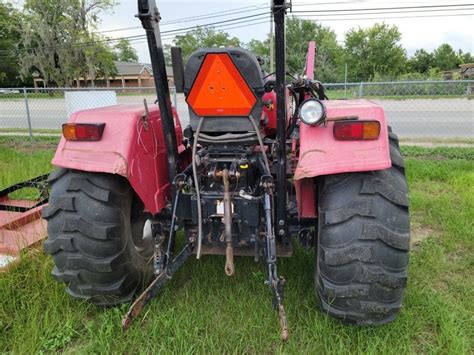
(95, 236)
(363, 243)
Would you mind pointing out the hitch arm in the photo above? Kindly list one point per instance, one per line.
(158, 283)
(276, 282)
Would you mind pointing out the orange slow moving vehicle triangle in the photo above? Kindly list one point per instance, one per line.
(219, 89)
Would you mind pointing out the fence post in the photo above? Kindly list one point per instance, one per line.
(28, 113)
(345, 82)
(361, 90)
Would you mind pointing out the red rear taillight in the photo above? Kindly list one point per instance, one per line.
(83, 131)
(356, 130)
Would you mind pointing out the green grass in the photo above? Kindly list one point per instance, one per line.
(53, 132)
(59, 94)
(23, 159)
(340, 95)
(437, 140)
(204, 311)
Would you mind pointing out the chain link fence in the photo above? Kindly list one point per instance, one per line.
(436, 109)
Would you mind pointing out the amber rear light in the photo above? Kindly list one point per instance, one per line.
(83, 131)
(356, 130)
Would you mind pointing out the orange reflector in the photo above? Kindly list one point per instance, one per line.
(83, 131)
(219, 89)
(356, 130)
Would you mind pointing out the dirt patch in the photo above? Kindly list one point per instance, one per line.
(419, 234)
(31, 147)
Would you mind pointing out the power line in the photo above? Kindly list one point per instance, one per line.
(109, 40)
(384, 8)
(384, 12)
(384, 18)
(167, 37)
(221, 27)
(214, 14)
(194, 18)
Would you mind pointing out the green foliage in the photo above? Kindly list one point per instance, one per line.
(465, 57)
(421, 61)
(99, 61)
(9, 33)
(298, 33)
(445, 57)
(55, 339)
(53, 36)
(204, 37)
(259, 48)
(373, 50)
(124, 52)
(262, 50)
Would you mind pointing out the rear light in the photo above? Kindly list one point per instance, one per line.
(356, 130)
(83, 131)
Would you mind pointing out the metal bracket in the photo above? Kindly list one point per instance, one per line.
(158, 283)
(276, 282)
(39, 183)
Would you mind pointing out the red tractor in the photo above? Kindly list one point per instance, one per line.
(265, 162)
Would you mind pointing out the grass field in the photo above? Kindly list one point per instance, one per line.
(203, 311)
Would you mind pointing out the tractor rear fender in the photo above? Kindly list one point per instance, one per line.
(321, 154)
(132, 145)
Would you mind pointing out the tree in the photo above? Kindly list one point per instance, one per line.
(445, 58)
(298, 33)
(261, 49)
(422, 61)
(9, 33)
(328, 53)
(204, 37)
(374, 50)
(465, 57)
(99, 62)
(124, 51)
(56, 40)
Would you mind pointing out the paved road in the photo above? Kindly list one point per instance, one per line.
(445, 118)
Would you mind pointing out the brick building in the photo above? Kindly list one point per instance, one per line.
(129, 75)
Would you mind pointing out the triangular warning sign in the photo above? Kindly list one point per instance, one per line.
(219, 89)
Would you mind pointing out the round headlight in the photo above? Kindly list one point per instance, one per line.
(312, 112)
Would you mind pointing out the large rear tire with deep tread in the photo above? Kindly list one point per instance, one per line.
(363, 243)
(95, 236)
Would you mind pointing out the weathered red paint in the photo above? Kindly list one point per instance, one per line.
(127, 148)
(20, 230)
(309, 70)
(306, 198)
(321, 154)
(269, 118)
